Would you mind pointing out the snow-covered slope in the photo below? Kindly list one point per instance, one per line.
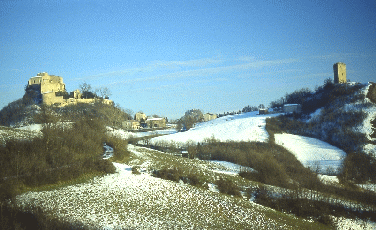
(243, 127)
(367, 127)
(127, 201)
(312, 152)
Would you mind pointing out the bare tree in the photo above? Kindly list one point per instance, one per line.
(86, 90)
(103, 92)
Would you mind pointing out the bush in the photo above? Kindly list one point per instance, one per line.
(273, 164)
(136, 170)
(63, 152)
(120, 148)
(359, 168)
(226, 186)
(176, 174)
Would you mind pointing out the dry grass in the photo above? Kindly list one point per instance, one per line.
(140, 201)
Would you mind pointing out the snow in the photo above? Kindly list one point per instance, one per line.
(315, 115)
(230, 168)
(123, 134)
(329, 180)
(125, 200)
(108, 151)
(366, 127)
(243, 127)
(120, 133)
(33, 127)
(312, 152)
(369, 187)
(345, 224)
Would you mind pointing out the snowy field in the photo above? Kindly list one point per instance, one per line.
(242, 127)
(125, 200)
(312, 152)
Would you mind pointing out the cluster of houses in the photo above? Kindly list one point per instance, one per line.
(143, 121)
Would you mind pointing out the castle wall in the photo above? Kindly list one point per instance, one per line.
(50, 85)
(51, 99)
(339, 70)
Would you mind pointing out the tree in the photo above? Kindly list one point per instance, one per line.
(86, 90)
(103, 92)
(190, 118)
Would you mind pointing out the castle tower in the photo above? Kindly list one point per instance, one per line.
(339, 69)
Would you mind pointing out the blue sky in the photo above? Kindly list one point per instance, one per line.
(165, 57)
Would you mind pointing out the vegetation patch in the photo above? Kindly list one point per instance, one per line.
(177, 174)
(372, 92)
(226, 186)
(272, 163)
(313, 209)
(335, 125)
(61, 153)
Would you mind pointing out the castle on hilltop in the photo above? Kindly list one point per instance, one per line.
(50, 90)
(339, 69)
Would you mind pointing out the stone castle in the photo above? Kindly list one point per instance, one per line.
(51, 91)
(339, 69)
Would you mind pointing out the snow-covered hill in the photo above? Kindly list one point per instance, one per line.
(310, 152)
(140, 201)
(313, 153)
(243, 127)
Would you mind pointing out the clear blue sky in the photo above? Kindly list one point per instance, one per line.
(165, 57)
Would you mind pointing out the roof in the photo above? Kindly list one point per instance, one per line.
(155, 119)
(291, 104)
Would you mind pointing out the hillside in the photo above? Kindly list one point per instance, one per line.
(343, 116)
(244, 127)
(134, 198)
(140, 201)
(242, 171)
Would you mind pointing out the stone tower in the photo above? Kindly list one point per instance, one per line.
(339, 69)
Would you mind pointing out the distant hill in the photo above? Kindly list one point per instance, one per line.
(343, 115)
(340, 114)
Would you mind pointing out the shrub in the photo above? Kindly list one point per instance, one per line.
(372, 92)
(63, 153)
(228, 187)
(120, 148)
(358, 167)
(176, 174)
(104, 166)
(135, 170)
